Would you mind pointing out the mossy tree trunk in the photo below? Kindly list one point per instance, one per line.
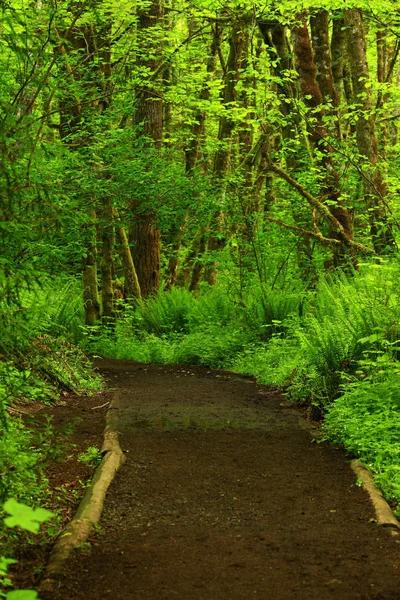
(132, 287)
(91, 298)
(107, 265)
(375, 189)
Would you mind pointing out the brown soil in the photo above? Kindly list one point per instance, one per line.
(224, 496)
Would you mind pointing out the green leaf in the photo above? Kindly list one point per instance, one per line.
(22, 595)
(4, 564)
(24, 516)
(370, 339)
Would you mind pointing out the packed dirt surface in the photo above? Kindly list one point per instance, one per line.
(224, 496)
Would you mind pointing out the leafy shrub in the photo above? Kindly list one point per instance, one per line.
(350, 317)
(266, 309)
(213, 307)
(212, 346)
(20, 463)
(366, 420)
(167, 313)
(26, 518)
(272, 363)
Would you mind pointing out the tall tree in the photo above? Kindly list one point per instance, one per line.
(375, 188)
(144, 233)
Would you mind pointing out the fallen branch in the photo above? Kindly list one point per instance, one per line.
(101, 406)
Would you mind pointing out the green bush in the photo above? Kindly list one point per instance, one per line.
(20, 463)
(167, 313)
(272, 363)
(266, 310)
(366, 421)
(211, 346)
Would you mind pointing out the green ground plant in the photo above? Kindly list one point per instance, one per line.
(28, 519)
(91, 457)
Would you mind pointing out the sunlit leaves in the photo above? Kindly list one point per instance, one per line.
(25, 517)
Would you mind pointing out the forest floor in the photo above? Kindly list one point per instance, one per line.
(224, 496)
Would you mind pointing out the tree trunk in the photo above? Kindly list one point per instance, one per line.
(146, 254)
(375, 190)
(314, 97)
(192, 153)
(132, 287)
(338, 47)
(192, 149)
(107, 267)
(91, 298)
(144, 233)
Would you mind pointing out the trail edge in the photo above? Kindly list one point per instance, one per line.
(90, 508)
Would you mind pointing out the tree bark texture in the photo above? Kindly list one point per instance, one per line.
(144, 232)
(91, 298)
(132, 287)
(313, 97)
(338, 48)
(149, 102)
(146, 254)
(375, 190)
(107, 267)
(322, 55)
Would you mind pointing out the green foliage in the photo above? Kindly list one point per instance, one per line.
(168, 313)
(211, 345)
(25, 517)
(29, 519)
(272, 363)
(348, 318)
(22, 595)
(21, 464)
(91, 457)
(366, 420)
(268, 309)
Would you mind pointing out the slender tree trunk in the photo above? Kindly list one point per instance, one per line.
(91, 298)
(317, 86)
(275, 38)
(197, 133)
(375, 189)
(107, 267)
(319, 22)
(132, 287)
(338, 48)
(84, 57)
(198, 265)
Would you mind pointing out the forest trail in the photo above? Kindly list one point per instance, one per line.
(224, 496)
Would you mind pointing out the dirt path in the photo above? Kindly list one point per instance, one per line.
(224, 496)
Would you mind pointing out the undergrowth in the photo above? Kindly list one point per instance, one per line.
(39, 360)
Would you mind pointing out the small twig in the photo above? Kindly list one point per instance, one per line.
(101, 406)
